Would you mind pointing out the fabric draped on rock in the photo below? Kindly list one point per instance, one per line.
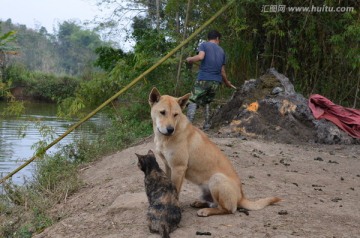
(347, 119)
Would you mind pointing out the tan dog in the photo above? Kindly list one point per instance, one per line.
(188, 153)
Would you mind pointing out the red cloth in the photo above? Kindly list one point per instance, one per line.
(347, 119)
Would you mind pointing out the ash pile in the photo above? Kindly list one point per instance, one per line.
(269, 108)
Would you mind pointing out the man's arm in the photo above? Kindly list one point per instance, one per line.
(196, 58)
(224, 77)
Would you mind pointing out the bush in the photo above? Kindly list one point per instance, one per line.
(42, 86)
(51, 88)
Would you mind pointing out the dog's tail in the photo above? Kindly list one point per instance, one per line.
(258, 204)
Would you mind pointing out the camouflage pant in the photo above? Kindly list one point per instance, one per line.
(204, 92)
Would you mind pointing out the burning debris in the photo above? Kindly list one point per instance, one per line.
(269, 108)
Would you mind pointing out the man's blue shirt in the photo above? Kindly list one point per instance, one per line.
(210, 68)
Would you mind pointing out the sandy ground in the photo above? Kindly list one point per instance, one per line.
(320, 186)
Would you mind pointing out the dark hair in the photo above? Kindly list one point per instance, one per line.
(212, 35)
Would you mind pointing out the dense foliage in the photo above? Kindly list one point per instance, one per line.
(70, 50)
(48, 67)
(314, 43)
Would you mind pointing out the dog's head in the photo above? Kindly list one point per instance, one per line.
(166, 111)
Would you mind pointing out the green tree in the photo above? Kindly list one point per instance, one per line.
(6, 49)
(76, 47)
(13, 107)
(108, 57)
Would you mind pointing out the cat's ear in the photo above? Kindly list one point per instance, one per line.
(150, 152)
(139, 161)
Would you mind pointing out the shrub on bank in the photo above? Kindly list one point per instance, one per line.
(41, 86)
(46, 87)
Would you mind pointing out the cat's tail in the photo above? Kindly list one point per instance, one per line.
(164, 231)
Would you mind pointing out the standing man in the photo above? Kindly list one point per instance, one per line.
(211, 75)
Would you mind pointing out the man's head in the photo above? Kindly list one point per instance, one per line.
(214, 35)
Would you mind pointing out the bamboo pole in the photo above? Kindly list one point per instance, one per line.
(91, 114)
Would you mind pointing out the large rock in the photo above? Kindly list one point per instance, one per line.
(270, 108)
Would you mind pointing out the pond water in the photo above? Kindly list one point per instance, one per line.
(18, 135)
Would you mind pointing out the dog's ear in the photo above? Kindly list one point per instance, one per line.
(183, 100)
(154, 96)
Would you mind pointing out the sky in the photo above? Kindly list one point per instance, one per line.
(48, 13)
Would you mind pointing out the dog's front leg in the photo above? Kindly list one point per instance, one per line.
(177, 176)
(167, 170)
(167, 167)
(178, 163)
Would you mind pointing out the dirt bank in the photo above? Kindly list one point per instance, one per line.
(320, 185)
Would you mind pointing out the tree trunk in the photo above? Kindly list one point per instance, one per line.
(157, 15)
(181, 52)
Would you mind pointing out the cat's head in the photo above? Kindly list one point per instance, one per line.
(147, 163)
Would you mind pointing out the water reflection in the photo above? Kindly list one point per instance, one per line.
(19, 134)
